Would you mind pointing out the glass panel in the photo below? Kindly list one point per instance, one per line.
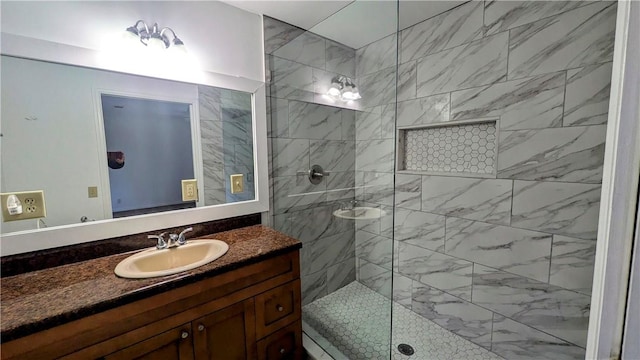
(343, 214)
(496, 260)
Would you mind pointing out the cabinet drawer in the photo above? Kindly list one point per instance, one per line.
(277, 308)
(285, 343)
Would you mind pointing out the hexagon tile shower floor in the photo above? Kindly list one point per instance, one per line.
(352, 320)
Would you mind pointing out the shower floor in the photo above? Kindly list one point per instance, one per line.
(353, 323)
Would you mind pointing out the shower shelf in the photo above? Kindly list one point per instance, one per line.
(466, 148)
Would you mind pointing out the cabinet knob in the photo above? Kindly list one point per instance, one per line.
(280, 308)
(184, 334)
(282, 351)
(200, 327)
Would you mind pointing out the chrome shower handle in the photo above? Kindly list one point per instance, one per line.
(316, 174)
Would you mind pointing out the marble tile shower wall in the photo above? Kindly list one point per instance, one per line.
(227, 143)
(505, 262)
(307, 129)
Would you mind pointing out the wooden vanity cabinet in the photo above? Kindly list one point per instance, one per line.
(253, 312)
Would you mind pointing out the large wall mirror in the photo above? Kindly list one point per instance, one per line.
(110, 152)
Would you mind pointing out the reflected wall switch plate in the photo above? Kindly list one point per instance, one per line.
(32, 205)
(237, 183)
(93, 191)
(190, 190)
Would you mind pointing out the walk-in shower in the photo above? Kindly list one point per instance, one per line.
(451, 211)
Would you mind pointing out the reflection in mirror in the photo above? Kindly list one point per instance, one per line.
(63, 132)
(156, 138)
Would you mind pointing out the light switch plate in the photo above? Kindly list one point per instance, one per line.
(190, 190)
(32, 205)
(93, 191)
(237, 183)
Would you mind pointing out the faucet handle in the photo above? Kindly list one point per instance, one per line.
(181, 239)
(161, 244)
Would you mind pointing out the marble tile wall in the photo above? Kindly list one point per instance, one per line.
(307, 129)
(505, 262)
(227, 143)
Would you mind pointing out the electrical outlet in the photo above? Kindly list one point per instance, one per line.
(237, 183)
(190, 190)
(93, 191)
(32, 205)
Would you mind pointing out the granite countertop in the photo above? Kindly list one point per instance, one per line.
(39, 300)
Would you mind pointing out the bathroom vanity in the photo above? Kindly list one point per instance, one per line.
(244, 305)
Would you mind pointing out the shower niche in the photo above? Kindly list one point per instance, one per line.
(465, 148)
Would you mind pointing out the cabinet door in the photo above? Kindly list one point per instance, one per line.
(227, 334)
(284, 344)
(172, 344)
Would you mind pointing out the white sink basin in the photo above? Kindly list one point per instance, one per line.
(153, 262)
(360, 213)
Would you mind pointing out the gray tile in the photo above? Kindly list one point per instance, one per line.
(476, 199)
(452, 28)
(312, 121)
(279, 117)
(306, 48)
(573, 154)
(518, 251)
(341, 186)
(426, 110)
(402, 290)
(441, 271)
(378, 88)
(341, 274)
(573, 39)
(388, 119)
(481, 62)
(341, 59)
(375, 277)
(376, 56)
(378, 188)
(213, 174)
(209, 103)
(278, 33)
(406, 87)
(516, 341)
(420, 229)
(408, 192)
(327, 251)
(310, 225)
(375, 155)
(215, 196)
(504, 15)
(290, 192)
(454, 314)
(587, 98)
(291, 80)
(572, 263)
(348, 124)
(211, 131)
(290, 156)
(548, 308)
(338, 155)
(375, 249)
(530, 103)
(560, 208)
(369, 124)
(314, 286)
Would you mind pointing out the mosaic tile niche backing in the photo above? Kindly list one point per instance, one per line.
(461, 148)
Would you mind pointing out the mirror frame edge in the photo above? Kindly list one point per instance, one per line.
(64, 235)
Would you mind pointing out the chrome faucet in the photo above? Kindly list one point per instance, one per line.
(174, 240)
(161, 244)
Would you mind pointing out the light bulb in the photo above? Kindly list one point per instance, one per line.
(333, 91)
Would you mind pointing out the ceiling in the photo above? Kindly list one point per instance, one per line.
(353, 23)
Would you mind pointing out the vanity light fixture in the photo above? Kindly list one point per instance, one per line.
(343, 88)
(155, 37)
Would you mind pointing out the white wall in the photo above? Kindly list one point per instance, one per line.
(223, 38)
(59, 152)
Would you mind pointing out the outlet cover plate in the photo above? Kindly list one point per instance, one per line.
(33, 206)
(237, 183)
(190, 190)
